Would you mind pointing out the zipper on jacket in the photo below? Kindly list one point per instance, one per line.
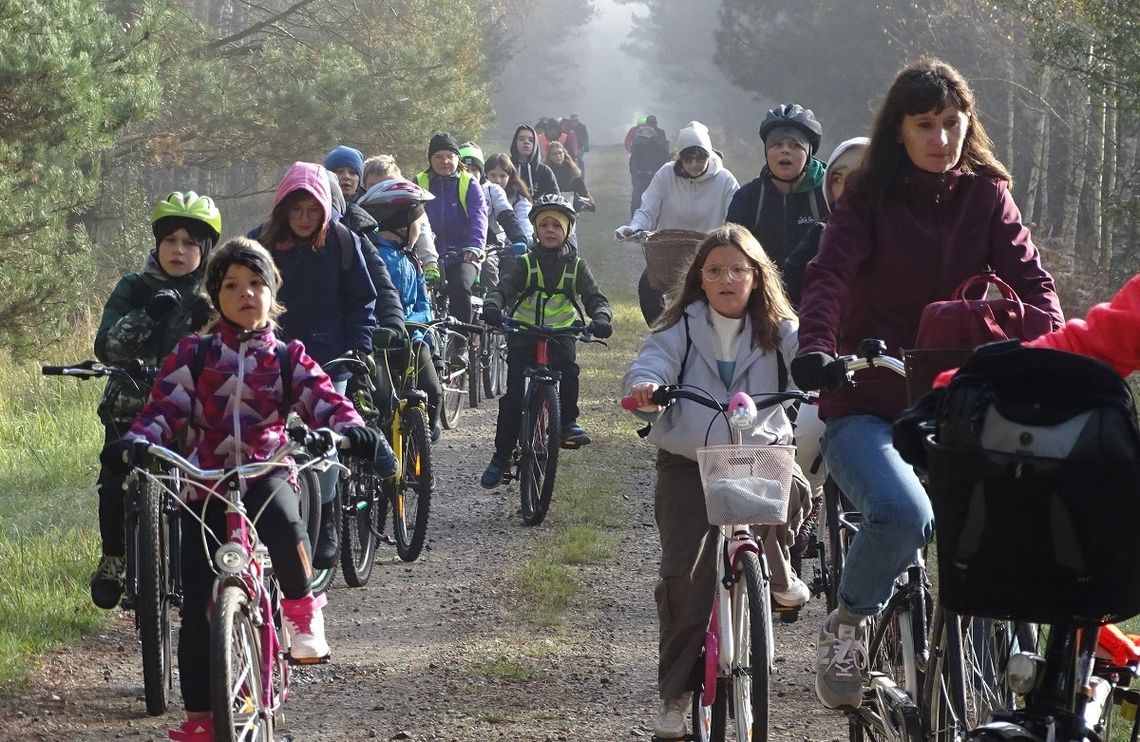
(236, 415)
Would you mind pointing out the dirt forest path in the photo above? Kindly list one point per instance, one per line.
(453, 646)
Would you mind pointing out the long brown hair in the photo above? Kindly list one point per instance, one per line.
(768, 304)
(516, 186)
(925, 85)
(568, 163)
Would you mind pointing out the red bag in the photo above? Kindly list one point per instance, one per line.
(967, 323)
(950, 330)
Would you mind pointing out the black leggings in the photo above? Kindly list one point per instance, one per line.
(112, 498)
(280, 529)
(460, 278)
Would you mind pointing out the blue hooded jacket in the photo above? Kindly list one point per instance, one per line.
(409, 282)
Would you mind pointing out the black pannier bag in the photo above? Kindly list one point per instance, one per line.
(1035, 482)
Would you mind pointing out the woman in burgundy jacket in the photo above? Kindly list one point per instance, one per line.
(928, 207)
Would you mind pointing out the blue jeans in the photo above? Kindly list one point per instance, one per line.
(897, 518)
(328, 479)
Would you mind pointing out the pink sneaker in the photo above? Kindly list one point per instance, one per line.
(304, 625)
(193, 730)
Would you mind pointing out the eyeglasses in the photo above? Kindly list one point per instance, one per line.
(699, 156)
(737, 272)
(306, 212)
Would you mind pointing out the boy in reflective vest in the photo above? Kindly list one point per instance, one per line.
(544, 286)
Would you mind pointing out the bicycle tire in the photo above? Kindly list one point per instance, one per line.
(309, 495)
(541, 440)
(323, 578)
(964, 680)
(235, 671)
(836, 552)
(453, 381)
(886, 657)
(709, 722)
(411, 502)
(358, 534)
(152, 604)
(752, 623)
(474, 371)
(495, 370)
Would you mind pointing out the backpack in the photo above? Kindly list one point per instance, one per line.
(284, 362)
(1035, 470)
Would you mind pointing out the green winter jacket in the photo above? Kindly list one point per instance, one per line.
(127, 332)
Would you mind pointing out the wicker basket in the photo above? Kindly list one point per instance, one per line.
(746, 484)
(668, 253)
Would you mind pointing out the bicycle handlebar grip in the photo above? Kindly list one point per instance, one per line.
(629, 403)
(660, 397)
(54, 370)
(464, 327)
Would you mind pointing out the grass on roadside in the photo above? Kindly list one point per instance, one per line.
(508, 668)
(49, 450)
(43, 597)
(545, 590)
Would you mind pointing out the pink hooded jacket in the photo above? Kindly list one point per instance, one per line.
(314, 180)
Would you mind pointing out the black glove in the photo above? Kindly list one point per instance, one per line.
(387, 337)
(117, 457)
(162, 303)
(370, 445)
(492, 315)
(200, 313)
(600, 328)
(818, 370)
(910, 430)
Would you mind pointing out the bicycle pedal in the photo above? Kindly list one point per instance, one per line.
(305, 661)
(787, 615)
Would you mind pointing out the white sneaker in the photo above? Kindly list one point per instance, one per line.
(304, 624)
(670, 723)
(796, 595)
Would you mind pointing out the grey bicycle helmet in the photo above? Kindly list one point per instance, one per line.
(794, 115)
(552, 202)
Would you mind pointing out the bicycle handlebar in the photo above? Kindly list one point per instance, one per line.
(579, 329)
(320, 443)
(134, 370)
(640, 235)
(664, 395)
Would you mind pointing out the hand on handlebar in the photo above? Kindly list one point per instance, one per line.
(492, 314)
(642, 394)
(600, 328)
(818, 370)
(118, 457)
(370, 445)
(624, 232)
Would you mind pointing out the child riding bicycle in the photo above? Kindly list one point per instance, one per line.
(544, 286)
(228, 384)
(731, 329)
(145, 316)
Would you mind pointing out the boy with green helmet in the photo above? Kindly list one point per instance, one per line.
(146, 315)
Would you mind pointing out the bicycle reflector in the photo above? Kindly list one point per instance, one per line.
(231, 558)
(1023, 670)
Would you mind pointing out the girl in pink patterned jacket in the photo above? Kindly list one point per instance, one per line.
(230, 402)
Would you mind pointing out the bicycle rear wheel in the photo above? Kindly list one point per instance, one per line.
(235, 671)
(474, 371)
(454, 381)
(495, 370)
(887, 652)
(751, 671)
(152, 604)
(836, 550)
(411, 500)
(709, 721)
(362, 493)
(541, 438)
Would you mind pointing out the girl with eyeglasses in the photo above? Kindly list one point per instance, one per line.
(692, 192)
(731, 329)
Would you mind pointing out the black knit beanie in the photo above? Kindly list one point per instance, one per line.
(442, 140)
(247, 252)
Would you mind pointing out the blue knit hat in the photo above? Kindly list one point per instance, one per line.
(344, 156)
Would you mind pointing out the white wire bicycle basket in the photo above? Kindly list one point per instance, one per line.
(746, 484)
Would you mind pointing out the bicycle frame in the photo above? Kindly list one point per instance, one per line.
(240, 559)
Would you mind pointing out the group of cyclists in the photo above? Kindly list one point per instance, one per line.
(796, 267)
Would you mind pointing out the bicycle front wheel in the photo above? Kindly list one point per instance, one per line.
(309, 497)
(152, 605)
(495, 370)
(474, 371)
(541, 439)
(752, 663)
(966, 676)
(362, 494)
(322, 578)
(709, 721)
(411, 501)
(235, 671)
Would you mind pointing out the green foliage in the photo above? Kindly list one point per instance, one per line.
(72, 76)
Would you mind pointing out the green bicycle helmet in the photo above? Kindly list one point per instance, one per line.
(193, 210)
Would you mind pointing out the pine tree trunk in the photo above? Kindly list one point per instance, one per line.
(1037, 160)
(1077, 167)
